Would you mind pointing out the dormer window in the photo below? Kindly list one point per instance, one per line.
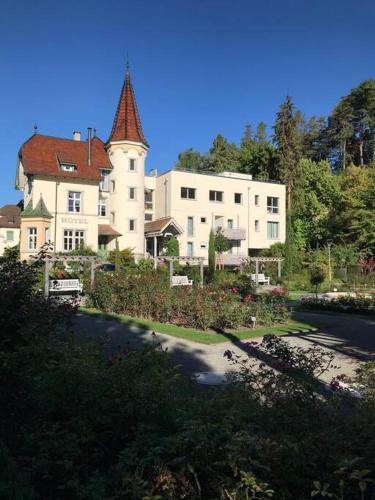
(68, 167)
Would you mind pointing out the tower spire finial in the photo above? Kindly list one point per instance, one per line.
(127, 65)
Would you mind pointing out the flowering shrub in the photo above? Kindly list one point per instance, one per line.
(148, 295)
(358, 304)
(279, 291)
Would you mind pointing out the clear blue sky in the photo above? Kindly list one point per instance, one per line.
(199, 67)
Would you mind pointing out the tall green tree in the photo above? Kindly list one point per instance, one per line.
(190, 160)
(320, 194)
(224, 156)
(351, 127)
(211, 255)
(287, 141)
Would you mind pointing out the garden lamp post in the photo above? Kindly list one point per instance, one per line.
(329, 245)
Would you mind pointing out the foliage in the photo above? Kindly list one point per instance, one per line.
(173, 246)
(76, 424)
(351, 127)
(11, 253)
(148, 295)
(286, 138)
(122, 258)
(221, 242)
(211, 255)
(83, 250)
(145, 264)
(317, 276)
(346, 303)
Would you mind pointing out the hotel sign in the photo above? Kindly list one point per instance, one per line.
(73, 220)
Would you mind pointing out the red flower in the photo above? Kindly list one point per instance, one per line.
(247, 298)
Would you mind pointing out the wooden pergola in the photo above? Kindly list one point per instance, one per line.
(257, 260)
(50, 259)
(186, 260)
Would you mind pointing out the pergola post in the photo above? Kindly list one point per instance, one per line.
(92, 274)
(170, 272)
(279, 268)
(201, 272)
(256, 271)
(155, 251)
(46, 279)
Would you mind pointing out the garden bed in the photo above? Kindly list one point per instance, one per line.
(203, 337)
(344, 304)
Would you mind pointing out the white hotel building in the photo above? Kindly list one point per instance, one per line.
(87, 192)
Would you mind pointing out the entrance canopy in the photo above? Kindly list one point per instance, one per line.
(107, 230)
(166, 226)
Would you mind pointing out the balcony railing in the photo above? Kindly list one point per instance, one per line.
(234, 233)
(148, 205)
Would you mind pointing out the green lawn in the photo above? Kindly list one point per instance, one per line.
(200, 336)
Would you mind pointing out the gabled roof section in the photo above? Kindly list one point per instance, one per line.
(10, 216)
(40, 211)
(127, 123)
(158, 226)
(42, 155)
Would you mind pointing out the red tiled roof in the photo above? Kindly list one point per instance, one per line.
(127, 124)
(43, 154)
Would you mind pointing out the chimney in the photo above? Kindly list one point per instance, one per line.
(89, 130)
(76, 136)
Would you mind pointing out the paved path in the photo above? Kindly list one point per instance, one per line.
(351, 339)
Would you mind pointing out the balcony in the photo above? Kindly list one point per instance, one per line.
(234, 233)
(148, 205)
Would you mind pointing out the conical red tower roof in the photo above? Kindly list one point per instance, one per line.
(127, 124)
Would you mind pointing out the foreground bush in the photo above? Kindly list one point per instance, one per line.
(74, 425)
(148, 295)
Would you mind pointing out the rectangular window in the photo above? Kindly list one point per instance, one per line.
(272, 230)
(132, 165)
(148, 217)
(46, 234)
(230, 223)
(256, 226)
(238, 198)
(104, 184)
(216, 196)
(74, 202)
(203, 220)
(73, 239)
(31, 238)
(102, 208)
(148, 200)
(68, 167)
(113, 218)
(113, 186)
(132, 225)
(190, 226)
(10, 235)
(188, 193)
(257, 200)
(189, 249)
(272, 205)
(132, 193)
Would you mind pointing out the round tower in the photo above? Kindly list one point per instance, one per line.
(127, 149)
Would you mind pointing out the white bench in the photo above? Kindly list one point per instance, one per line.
(68, 285)
(260, 279)
(181, 281)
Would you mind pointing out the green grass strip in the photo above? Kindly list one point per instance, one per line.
(202, 337)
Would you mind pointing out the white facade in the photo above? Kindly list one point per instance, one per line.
(9, 237)
(250, 213)
(126, 193)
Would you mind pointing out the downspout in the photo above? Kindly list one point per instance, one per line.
(248, 221)
(55, 228)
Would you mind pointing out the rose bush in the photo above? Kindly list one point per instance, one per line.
(147, 295)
